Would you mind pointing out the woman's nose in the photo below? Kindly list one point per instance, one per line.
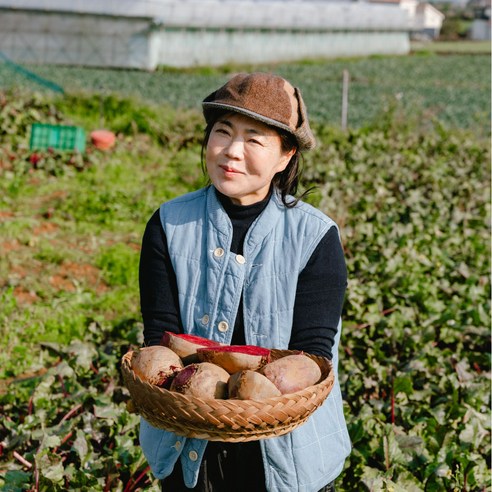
(235, 149)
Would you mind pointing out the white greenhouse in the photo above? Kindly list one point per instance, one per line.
(147, 33)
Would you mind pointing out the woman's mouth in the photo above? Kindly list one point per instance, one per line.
(230, 170)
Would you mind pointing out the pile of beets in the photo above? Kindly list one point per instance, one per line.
(202, 368)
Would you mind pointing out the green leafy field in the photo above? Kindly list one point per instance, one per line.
(411, 192)
(455, 89)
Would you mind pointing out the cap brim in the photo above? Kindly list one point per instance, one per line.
(246, 112)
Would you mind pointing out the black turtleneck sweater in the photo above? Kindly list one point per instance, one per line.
(319, 296)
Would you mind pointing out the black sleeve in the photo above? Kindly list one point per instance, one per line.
(319, 298)
(158, 288)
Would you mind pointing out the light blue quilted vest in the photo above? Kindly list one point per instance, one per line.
(210, 282)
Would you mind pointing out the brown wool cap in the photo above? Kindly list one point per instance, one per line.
(267, 98)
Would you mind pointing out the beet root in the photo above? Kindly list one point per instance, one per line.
(292, 373)
(204, 380)
(186, 345)
(234, 358)
(156, 364)
(251, 385)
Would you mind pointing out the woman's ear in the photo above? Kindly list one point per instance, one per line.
(285, 158)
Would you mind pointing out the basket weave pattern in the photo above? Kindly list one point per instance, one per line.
(227, 420)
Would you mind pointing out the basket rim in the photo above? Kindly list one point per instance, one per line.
(227, 419)
(126, 366)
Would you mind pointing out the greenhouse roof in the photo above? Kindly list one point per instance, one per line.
(239, 14)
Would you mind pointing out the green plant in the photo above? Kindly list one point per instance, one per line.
(416, 334)
(119, 264)
(454, 88)
(411, 196)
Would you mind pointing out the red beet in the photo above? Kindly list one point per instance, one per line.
(251, 385)
(185, 345)
(156, 364)
(292, 373)
(203, 380)
(234, 358)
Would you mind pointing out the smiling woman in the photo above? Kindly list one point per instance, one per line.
(243, 155)
(244, 261)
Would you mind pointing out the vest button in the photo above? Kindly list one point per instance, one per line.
(240, 259)
(177, 445)
(218, 252)
(223, 326)
(193, 455)
(205, 319)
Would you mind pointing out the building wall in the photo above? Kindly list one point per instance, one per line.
(480, 30)
(68, 39)
(180, 37)
(193, 47)
(431, 18)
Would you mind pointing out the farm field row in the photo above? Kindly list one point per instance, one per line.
(452, 89)
(411, 196)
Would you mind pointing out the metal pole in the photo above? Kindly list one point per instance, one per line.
(345, 87)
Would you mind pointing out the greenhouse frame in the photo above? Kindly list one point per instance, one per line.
(147, 33)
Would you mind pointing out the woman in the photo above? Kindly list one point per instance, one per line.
(244, 262)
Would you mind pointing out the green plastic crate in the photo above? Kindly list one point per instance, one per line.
(60, 137)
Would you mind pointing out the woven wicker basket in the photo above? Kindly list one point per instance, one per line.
(227, 420)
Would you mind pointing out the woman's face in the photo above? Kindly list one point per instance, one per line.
(243, 155)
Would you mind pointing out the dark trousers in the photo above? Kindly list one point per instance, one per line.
(227, 467)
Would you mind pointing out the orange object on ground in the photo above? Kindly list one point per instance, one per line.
(103, 139)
